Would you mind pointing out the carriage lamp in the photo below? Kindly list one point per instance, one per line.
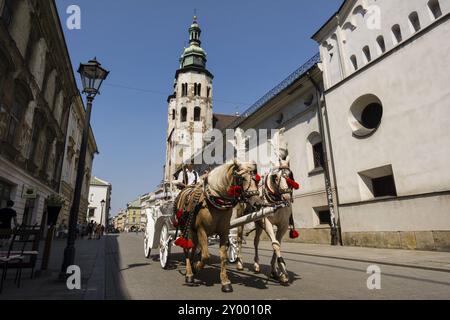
(92, 77)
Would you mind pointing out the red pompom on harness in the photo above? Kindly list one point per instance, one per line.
(234, 191)
(292, 184)
(184, 243)
(294, 234)
(257, 179)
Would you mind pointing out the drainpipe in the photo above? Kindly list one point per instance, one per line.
(336, 237)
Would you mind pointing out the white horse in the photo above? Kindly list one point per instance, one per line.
(277, 188)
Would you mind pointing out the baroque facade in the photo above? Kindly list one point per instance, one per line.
(37, 92)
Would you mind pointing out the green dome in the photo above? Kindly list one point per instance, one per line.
(194, 55)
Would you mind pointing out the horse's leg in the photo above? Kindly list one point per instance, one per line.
(203, 245)
(284, 276)
(226, 283)
(258, 233)
(240, 261)
(189, 273)
(268, 227)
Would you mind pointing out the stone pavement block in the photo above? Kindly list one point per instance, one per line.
(408, 240)
(442, 240)
(425, 240)
(392, 240)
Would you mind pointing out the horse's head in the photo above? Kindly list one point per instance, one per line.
(246, 180)
(281, 181)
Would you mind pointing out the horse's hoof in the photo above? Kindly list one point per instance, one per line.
(240, 267)
(284, 280)
(257, 269)
(190, 280)
(227, 288)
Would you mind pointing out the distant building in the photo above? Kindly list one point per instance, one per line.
(133, 216)
(99, 190)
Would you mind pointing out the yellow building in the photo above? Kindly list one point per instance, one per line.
(133, 216)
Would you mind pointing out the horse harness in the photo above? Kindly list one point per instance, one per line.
(276, 197)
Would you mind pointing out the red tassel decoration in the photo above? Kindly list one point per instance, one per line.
(257, 179)
(179, 214)
(234, 191)
(294, 234)
(292, 184)
(184, 243)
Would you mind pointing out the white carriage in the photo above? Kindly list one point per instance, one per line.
(160, 231)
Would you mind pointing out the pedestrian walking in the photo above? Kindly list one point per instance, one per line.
(7, 216)
(90, 229)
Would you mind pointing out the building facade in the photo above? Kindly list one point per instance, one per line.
(386, 75)
(99, 207)
(133, 219)
(190, 111)
(70, 164)
(37, 89)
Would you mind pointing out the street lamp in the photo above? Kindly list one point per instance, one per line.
(92, 77)
(102, 203)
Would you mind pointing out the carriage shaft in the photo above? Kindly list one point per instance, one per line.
(255, 216)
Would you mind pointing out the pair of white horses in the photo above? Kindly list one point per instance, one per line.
(238, 185)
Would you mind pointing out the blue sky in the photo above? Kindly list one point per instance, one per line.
(252, 45)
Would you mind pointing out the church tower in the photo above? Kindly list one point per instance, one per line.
(190, 112)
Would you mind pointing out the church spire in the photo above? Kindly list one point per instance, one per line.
(194, 33)
(194, 55)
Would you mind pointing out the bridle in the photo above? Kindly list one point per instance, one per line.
(236, 193)
(276, 196)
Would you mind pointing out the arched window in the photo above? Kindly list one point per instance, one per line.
(435, 9)
(414, 22)
(396, 34)
(381, 45)
(315, 152)
(173, 114)
(197, 113)
(367, 55)
(208, 92)
(19, 106)
(184, 89)
(197, 89)
(183, 114)
(354, 62)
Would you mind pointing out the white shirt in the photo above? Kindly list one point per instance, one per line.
(191, 175)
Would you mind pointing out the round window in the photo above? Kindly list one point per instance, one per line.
(365, 115)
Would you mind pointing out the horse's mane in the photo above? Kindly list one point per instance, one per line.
(220, 179)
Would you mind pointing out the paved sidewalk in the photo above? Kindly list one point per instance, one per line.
(426, 260)
(90, 257)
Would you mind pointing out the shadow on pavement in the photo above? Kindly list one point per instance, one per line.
(115, 288)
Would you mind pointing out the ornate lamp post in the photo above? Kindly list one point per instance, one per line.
(102, 203)
(92, 77)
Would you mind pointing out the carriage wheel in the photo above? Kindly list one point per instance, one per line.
(164, 246)
(147, 247)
